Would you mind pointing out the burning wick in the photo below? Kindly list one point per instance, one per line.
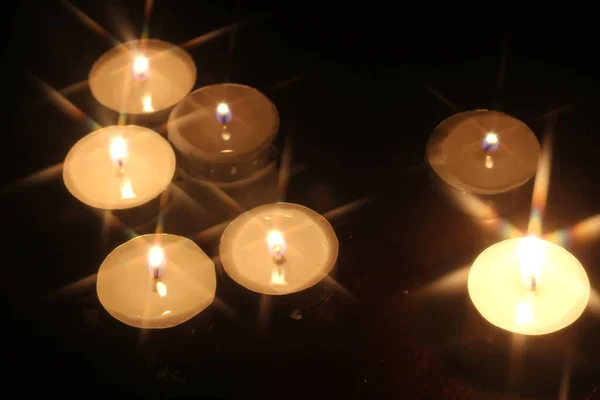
(276, 245)
(156, 263)
(223, 113)
(118, 154)
(531, 258)
(141, 65)
(533, 283)
(490, 142)
(224, 116)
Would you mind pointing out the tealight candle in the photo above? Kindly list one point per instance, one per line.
(528, 286)
(142, 76)
(156, 281)
(119, 167)
(223, 132)
(486, 158)
(278, 248)
(483, 152)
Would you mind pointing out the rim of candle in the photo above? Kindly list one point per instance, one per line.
(565, 322)
(133, 48)
(187, 148)
(117, 131)
(321, 221)
(442, 131)
(260, 174)
(164, 320)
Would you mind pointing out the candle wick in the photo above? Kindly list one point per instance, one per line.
(533, 283)
(278, 255)
(120, 170)
(156, 279)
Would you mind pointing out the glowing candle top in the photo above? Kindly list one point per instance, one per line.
(483, 152)
(119, 167)
(528, 286)
(181, 283)
(142, 76)
(223, 123)
(278, 248)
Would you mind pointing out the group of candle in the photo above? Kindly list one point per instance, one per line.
(525, 285)
(162, 280)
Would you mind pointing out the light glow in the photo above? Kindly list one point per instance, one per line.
(140, 66)
(118, 151)
(531, 255)
(147, 103)
(276, 243)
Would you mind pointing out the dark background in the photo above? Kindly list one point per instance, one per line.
(359, 87)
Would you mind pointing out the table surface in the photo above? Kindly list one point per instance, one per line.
(359, 90)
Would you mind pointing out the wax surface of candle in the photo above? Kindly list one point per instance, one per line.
(483, 152)
(142, 76)
(223, 122)
(128, 291)
(502, 279)
(91, 172)
(307, 239)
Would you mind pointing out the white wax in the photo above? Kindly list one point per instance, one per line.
(91, 176)
(171, 75)
(311, 249)
(501, 295)
(196, 129)
(125, 284)
(456, 152)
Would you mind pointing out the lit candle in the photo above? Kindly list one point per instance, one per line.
(483, 152)
(156, 281)
(142, 76)
(528, 286)
(119, 167)
(223, 130)
(278, 248)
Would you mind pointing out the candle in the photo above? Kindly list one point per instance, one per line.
(156, 281)
(278, 248)
(528, 286)
(119, 167)
(223, 132)
(142, 76)
(483, 152)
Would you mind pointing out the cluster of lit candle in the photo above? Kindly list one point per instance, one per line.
(525, 285)
(162, 280)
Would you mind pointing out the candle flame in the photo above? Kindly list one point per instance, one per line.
(118, 151)
(223, 113)
(276, 243)
(491, 138)
(127, 190)
(524, 312)
(531, 255)
(223, 109)
(156, 257)
(140, 66)
(147, 103)
(489, 162)
(491, 142)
